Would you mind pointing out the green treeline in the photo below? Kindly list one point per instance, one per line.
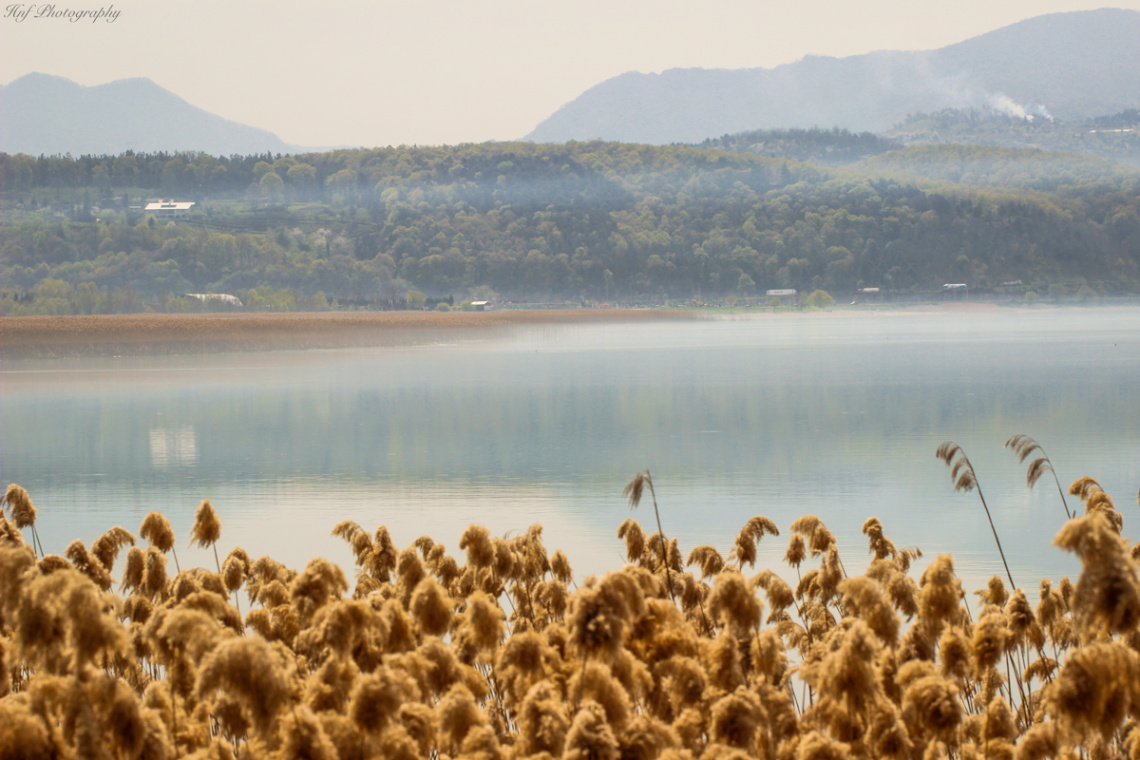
(834, 147)
(1115, 137)
(593, 221)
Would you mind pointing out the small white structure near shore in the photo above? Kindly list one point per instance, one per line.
(225, 298)
(785, 295)
(169, 209)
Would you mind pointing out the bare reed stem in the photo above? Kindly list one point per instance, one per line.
(962, 473)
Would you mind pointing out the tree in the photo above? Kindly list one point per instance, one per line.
(301, 176)
(415, 299)
(272, 186)
(819, 299)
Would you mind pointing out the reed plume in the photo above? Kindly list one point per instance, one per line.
(597, 683)
(458, 715)
(543, 722)
(432, 607)
(476, 541)
(480, 628)
(881, 546)
(797, 551)
(590, 737)
(88, 565)
(1023, 446)
(864, 598)
(630, 530)
(633, 491)
(23, 512)
(744, 548)
(560, 567)
(1096, 690)
(733, 604)
(250, 672)
(736, 719)
(156, 529)
(207, 529)
(106, 548)
(1107, 597)
(939, 595)
(376, 699)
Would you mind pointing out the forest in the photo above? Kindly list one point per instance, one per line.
(584, 222)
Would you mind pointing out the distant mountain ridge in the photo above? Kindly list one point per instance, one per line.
(1073, 66)
(44, 114)
(1115, 137)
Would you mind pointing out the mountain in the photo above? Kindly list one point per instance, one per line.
(1066, 65)
(42, 114)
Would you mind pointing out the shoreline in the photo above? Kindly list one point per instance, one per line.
(113, 335)
(69, 337)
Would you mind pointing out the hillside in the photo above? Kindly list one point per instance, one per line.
(1115, 137)
(826, 147)
(1070, 65)
(50, 115)
(995, 167)
(588, 221)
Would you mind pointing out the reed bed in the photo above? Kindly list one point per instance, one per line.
(144, 334)
(493, 652)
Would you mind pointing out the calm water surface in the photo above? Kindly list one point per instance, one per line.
(836, 415)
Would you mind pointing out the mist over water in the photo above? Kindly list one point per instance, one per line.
(833, 414)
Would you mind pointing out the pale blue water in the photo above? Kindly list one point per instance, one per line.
(836, 415)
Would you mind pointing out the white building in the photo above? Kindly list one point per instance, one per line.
(225, 298)
(169, 209)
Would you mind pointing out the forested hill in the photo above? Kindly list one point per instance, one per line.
(593, 221)
(1008, 168)
(828, 147)
(1115, 137)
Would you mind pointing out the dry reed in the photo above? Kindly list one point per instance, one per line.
(659, 660)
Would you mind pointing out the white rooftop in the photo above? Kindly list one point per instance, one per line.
(169, 205)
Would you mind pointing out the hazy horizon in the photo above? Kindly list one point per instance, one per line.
(448, 72)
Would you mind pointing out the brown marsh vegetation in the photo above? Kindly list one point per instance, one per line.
(127, 334)
(493, 652)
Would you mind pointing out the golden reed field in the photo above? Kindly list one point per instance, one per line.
(132, 334)
(491, 651)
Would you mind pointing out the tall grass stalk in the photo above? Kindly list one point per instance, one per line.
(962, 473)
(633, 491)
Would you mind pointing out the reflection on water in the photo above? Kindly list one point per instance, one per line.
(173, 448)
(834, 415)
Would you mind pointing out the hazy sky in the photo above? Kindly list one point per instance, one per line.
(389, 72)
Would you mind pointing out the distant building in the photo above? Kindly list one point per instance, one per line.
(481, 305)
(785, 295)
(225, 298)
(169, 209)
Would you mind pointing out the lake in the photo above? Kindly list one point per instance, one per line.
(834, 414)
